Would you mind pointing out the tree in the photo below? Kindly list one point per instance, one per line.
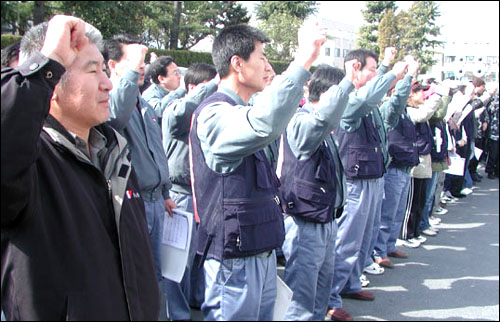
(373, 14)
(197, 20)
(110, 17)
(421, 32)
(299, 9)
(280, 21)
(283, 44)
(16, 15)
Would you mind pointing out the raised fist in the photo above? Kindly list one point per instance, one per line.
(64, 39)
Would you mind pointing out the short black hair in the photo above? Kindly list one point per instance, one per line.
(235, 40)
(159, 67)
(323, 78)
(198, 73)
(10, 53)
(361, 55)
(112, 48)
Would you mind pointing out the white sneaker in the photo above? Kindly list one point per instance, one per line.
(434, 221)
(374, 269)
(410, 243)
(364, 281)
(429, 232)
(466, 191)
(421, 239)
(440, 211)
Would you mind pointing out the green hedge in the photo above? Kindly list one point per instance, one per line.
(8, 39)
(186, 58)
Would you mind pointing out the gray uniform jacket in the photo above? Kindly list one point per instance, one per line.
(159, 98)
(134, 118)
(176, 123)
(306, 131)
(230, 133)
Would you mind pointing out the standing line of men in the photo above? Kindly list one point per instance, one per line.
(99, 165)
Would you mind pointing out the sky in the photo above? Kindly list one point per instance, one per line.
(467, 21)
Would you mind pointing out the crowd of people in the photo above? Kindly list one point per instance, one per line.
(328, 183)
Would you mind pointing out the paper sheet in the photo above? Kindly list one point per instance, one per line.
(283, 300)
(457, 165)
(176, 240)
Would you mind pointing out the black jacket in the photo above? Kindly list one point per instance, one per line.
(75, 242)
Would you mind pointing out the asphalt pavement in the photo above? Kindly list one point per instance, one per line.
(451, 277)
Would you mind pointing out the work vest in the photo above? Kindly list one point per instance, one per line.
(360, 151)
(424, 138)
(308, 187)
(240, 212)
(402, 141)
(439, 150)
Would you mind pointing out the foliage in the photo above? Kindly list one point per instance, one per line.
(16, 15)
(280, 21)
(373, 14)
(8, 39)
(420, 36)
(299, 9)
(283, 44)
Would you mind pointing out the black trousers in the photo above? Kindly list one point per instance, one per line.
(414, 209)
(492, 163)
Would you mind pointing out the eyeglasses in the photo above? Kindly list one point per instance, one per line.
(177, 72)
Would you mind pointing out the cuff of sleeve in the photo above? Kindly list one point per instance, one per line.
(38, 63)
(383, 69)
(180, 92)
(132, 76)
(298, 74)
(346, 86)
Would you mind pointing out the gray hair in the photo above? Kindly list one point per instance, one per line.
(34, 39)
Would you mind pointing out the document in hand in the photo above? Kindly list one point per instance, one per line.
(176, 240)
(283, 300)
(457, 165)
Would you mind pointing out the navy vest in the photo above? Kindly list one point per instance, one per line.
(240, 213)
(308, 187)
(360, 151)
(439, 154)
(424, 138)
(403, 143)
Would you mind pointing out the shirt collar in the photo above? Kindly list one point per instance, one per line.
(232, 95)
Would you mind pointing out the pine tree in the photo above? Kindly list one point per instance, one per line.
(373, 14)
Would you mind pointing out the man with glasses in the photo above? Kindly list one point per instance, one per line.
(166, 88)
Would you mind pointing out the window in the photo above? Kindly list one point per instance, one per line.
(345, 52)
(449, 59)
(469, 58)
(337, 52)
(327, 51)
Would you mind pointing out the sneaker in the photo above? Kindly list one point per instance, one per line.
(434, 221)
(440, 211)
(374, 269)
(410, 243)
(364, 281)
(466, 191)
(421, 239)
(428, 232)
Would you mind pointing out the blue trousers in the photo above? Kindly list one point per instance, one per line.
(240, 289)
(355, 229)
(155, 213)
(429, 201)
(177, 294)
(396, 186)
(309, 249)
(377, 210)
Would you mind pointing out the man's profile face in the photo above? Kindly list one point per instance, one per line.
(83, 93)
(256, 71)
(368, 72)
(172, 81)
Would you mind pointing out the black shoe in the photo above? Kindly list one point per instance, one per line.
(475, 177)
(458, 195)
